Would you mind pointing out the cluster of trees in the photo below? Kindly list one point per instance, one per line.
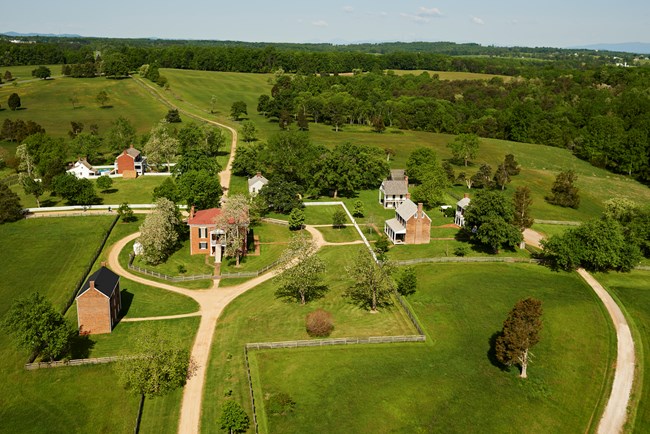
(601, 115)
(10, 208)
(615, 241)
(296, 167)
(18, 130)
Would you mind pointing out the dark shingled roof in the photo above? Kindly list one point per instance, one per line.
(105, 282)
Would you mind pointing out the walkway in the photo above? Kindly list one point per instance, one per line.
(615, 414)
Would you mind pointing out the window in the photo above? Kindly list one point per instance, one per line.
(203, 232)
(203, 246)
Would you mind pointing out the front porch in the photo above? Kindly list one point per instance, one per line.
(395, 231)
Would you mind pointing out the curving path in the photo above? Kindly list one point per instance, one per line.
(615, 414)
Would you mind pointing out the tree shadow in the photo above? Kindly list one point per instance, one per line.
(81, 346)
(492, 352)
(127, 300)
(110, 191)
(47, 202)
(106, 107)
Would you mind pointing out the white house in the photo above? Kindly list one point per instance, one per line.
(82, 169)
(256, 183)
(394, 191)
(461, 206)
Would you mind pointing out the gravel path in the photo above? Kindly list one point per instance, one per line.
(615, 414)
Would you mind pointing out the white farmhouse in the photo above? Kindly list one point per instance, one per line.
(256, 183)
(461, 206)
(82, 169)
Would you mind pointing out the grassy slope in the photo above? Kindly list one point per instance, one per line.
(193, 89)
(258, 316)
(452, 385)
(633, 292)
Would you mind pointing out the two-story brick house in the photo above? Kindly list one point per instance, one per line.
(99, 302)
(130, 163)
(411, 225)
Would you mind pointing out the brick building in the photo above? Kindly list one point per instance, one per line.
(99, 302)
(130, 163)
(205, 237)
(411, 225)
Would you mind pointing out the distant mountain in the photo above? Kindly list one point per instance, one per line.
(50, 35)
(626, 47)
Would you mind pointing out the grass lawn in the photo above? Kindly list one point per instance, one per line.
(322, 214)
(550, 230)
(49, 255)
(449, 384)
(24, 72)
(632, 291)
(339, 235)
(258, 316)
(446, 248)
(195, 264)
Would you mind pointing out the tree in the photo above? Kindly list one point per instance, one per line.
(86, 145)
(31, 186)
(200, 188)
(281, 196)
(564, 192)
(120, 135)
(115, 65)
(14, 101)
(167, 189)
(37, 327)
(301, 276)
(372, 285)
(378, 125)
(519, 334)
(522, 201)
(512, 167)
(213, 103)
(75, 129)
(172, 116)
(191, 137)
(104, 182)
(238, 109)
(482, 178)
(248, 131)
(102, 98)
(502, 176)
(161, 146)
(10, 208)
(8, 76)
(158, 232)
(296, 219)
(407, 282)
(214, 140)
(491, 213)
(464, 147)
(358, 208)
(381, 247)
(159, 367)
(42, 72)
(26, 161)
(126, 213)
(302, 121)
(74, 100)
(339, 218)
(233, 418)
(74, 190)
(234, 220)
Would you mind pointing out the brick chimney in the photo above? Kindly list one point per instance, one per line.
(408, 195)
(259, 174)
(406, 181)
(91, 284)
(192, 212)
(103, 263)
(466, 195)
(420, 213)
(131, 145)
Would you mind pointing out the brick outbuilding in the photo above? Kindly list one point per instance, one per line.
(99, 302)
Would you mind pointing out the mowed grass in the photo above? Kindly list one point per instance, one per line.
(257, 316)
(49, 255)
(48, 104)
(343, 234)
(24, 72)
(449, 384)
(540, 164)
(632, 291)
(131, 191)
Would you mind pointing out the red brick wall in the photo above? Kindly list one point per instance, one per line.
(418, 230)
(124, 162)
(93, 313)
(195, 240)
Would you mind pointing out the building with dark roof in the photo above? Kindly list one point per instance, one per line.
(99, 302)
(394, 191)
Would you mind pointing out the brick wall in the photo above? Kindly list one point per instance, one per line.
(418, 230)
(93, 313)
(195, 240)
(124, 162)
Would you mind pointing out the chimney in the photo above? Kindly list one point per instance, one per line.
(103, 264)
(408, 196)
(406, 181)
(192, 212)
(420, 213)
(131, 145)
(259, 174)
(91, 284)
(466, 195)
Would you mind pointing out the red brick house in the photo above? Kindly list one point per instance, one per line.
(411, 225)
(99, 302)
(130, 161)
(205, 237)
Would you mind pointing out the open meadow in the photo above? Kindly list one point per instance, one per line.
(451, 383)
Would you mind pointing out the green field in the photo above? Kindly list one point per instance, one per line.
(257, 316)
(452, 75)
(449, 384)
(632, 291)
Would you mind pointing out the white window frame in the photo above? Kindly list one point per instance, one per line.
(203, 245)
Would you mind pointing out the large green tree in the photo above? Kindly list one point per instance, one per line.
(161, 146)
(199, 188)
(238, 109)
(31, 186)
(37, 327)
(521, 203)
(489, 218)
(42, 72)
(159, 232)
(301, 278)
(519, 334)
(76, 191)
(10, 208)
(464, 147)
(564, 191)
(233, 418)
(120, 135)
(372, 285)
(13, 101)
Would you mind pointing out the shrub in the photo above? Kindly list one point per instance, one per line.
(104, 182)
(460, 251)
(280, 403)
(182, 269)
(319, 323)
(449, 212)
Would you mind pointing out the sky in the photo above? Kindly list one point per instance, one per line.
(549, 23)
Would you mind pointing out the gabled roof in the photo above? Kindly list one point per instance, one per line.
(407, 209)
(463, 202)
(397, 174)
(133, 152)
(204, 217)
(396, 226)
(257, 178)
(391, 187)
(105, 282)
(85, 163)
